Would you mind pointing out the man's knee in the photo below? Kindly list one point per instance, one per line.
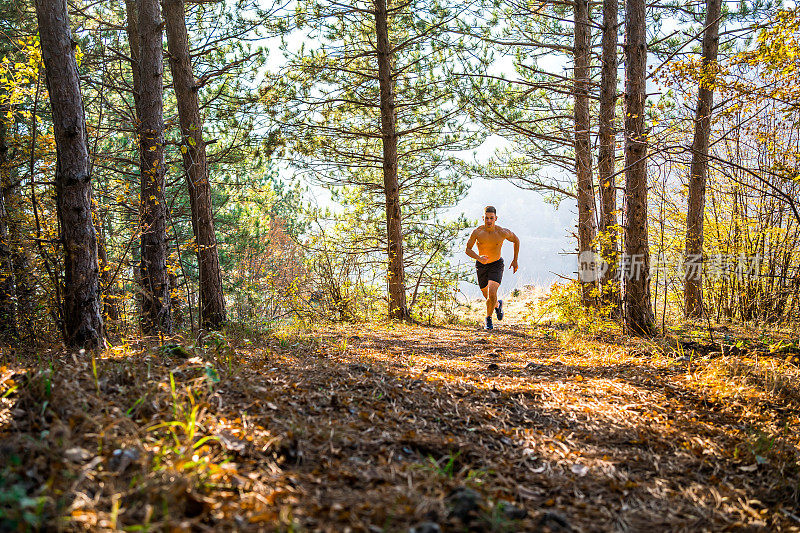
(493, 286)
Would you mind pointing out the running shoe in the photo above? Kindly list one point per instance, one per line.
(489, 323)
(499, 309)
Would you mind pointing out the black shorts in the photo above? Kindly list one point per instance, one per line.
(489, 271)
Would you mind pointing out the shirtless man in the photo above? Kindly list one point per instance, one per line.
(488, 262)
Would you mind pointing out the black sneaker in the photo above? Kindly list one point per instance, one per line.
(499, 309)
(489, 323)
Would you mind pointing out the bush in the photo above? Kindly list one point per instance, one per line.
(563, 304)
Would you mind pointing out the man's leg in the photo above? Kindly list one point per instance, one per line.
(490, 292)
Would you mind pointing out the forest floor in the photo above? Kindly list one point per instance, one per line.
(385, 427)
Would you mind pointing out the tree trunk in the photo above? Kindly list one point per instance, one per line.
(606, 155)
(110, 306)
(20, 260)
(212, 301)
(394, 233)
(132, 29)
(8, 316)
(132, 18)
(638, 310)
(83, 321)
(153, 207)
(693, 288)
(15, 211)
(583, 144)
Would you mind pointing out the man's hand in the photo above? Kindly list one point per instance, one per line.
(483, 258)
(513, 266)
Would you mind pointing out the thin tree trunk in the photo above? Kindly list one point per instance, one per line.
(19, 246)
(606, 156)
(693, 287)
(83, 321)
(110, 307)
(132, 29)
(394, 233)
(8, 318)
(193, 148)
(155, 281)
(638, 309)
(583, 146)
(21, 262)
(18, 240)
(132, 18)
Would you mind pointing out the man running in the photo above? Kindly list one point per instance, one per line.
(488, 262)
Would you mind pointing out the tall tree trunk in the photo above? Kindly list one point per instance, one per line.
(83, 321)
(153, 206)
(583, 146)
(394, 233)
(638, 309)
(132, 29)
(693, 288)
(8, 318)
(606, 156)
(212, 301)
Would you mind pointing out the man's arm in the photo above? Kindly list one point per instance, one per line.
(513, 238)
(470, 244)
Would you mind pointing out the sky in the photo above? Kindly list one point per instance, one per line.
(543, 230)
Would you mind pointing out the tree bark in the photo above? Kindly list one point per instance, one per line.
(20, 260)
(132, 18)
(193, 148)
(638, 309)
(606, 155)
(157, 313)
(8, 315)
(18, 244)
(110, 306)
(83, 321)
(693, 288)
(583, 144)
(396, 273)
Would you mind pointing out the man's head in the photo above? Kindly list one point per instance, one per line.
(489, 216)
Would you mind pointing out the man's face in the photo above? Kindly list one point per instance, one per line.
(489, 219)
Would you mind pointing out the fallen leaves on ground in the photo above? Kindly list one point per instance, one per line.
(385, 427)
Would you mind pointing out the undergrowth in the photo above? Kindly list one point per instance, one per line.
(563, 305)
(249, 429)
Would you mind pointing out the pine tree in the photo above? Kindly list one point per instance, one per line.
(693, 283)
(195, 163)
(375, 117)
(638, 307)
(157, 311)
(83, 322)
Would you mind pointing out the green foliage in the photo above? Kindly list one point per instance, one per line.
(260, 228)
(444, 466)
(218, 351)
(19, 511)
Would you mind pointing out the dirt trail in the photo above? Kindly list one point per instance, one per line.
(386, 427)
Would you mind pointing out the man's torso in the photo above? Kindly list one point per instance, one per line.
(490, 243)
